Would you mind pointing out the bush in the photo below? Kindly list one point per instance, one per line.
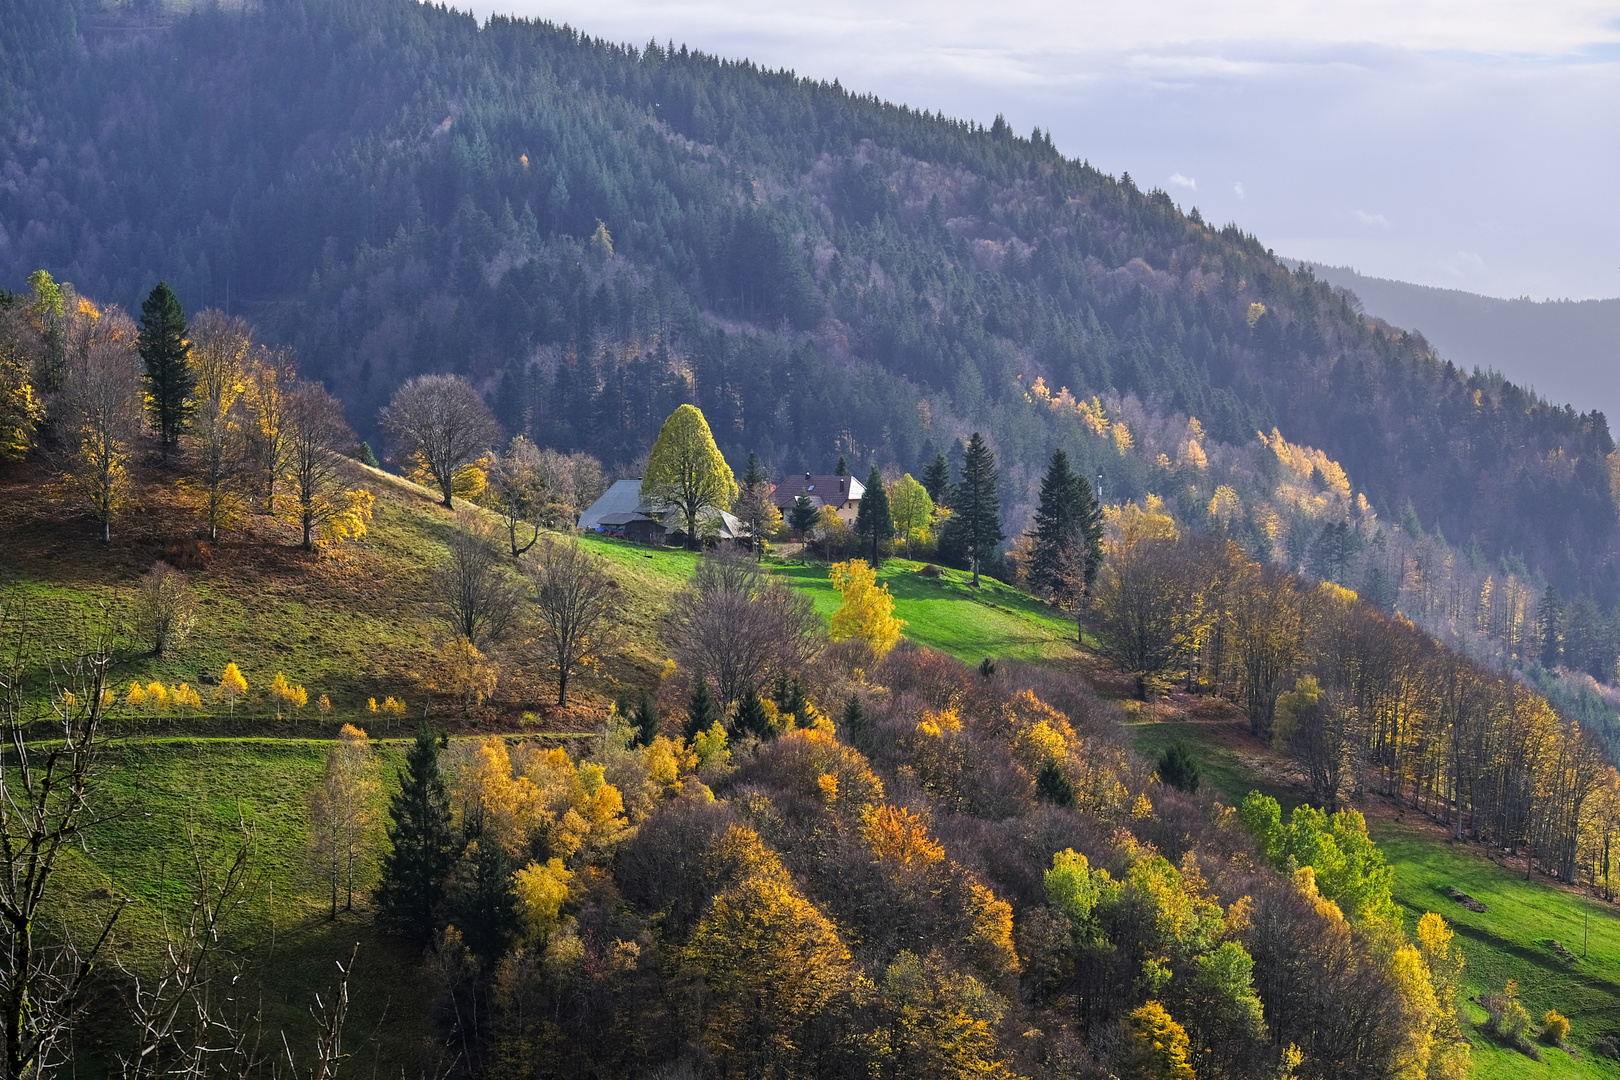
(1507, 1019)
(1606, 1046)
(1555, 1027)
(1178, 768)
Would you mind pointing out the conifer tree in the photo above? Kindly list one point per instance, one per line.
(856, 727)
(701, 711)
(974, 527)
(169, 378)
(842, 468)
(873, 522)
(936, 480)
(422, 849)
(803, 516)
(751, 718)
(1068, 530)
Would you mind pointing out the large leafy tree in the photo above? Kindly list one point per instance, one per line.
(422, 848)
(441, 424)
(911, 508)
(974, 527)
(169, 377)
(873, 523)
(686, 471)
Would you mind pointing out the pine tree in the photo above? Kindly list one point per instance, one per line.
(754, 475)
(701, 711)
(873, 522)
(974, 526)
(856, 727)
(936, 480)
(842, 468)
(169, 378)
(1055, 523)
(422, 848)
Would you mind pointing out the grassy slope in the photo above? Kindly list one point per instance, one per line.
(353, 627)
(1500, 944)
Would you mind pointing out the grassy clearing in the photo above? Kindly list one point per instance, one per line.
(176, 796)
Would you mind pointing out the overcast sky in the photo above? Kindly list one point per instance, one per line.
(1471, 145)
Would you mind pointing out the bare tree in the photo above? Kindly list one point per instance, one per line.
(519, 492)
(471, 588)
(441, 420)
(271, 377)
(100, 415)
(165, 609)
(737, 625)
(220, 347)
(574, 481)
(46, 788)
(576, 600)
(342, 811)
(315, 431)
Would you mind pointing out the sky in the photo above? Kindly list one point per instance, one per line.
(1466, 145)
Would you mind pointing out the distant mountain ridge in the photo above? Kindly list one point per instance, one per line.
(1567, 351)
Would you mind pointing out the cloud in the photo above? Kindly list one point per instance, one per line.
(1372, 219)
(1463, 264)
(1177, 180)
(1238, 187)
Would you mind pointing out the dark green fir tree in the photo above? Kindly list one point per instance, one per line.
(1057, 521)
(873, 522)
(936, 480)
(803, 517)
(169, 378)
(751, 718)
(974, 527)
(701, 710)
(842, 468)
(422, 847)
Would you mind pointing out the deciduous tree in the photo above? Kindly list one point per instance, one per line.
(911, 509)
(686, 471)
(165, 608)
(473, 593)
(100, 417)
(440, 421)
(576, 599)
(221, 346)
(867, 611)
(316, 434)
(518, 491)
(342, 812)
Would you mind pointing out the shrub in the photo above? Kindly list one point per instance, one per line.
(1178, 768)
(1507, 1019)
(1606, 1046)
(1555, 1027)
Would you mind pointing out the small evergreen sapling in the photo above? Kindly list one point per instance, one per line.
(701, 712)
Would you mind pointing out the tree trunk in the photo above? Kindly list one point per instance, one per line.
(562, 687)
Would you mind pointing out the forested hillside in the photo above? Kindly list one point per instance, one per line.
(595, 234)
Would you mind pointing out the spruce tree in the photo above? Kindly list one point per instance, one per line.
(646, 720)
(936, 480)
(754, 475)
(803, 516)
(169, 377)
(873, 522)
(842, 468)
(751, 718)
(1067, 534)
(857, 729)
(482, 903)
(701, 710)
(974, 527)
(422, 846)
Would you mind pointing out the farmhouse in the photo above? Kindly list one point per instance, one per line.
(842, 493)
(621, 512)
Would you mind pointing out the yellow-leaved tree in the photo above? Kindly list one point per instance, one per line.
(1156, 1046)
(687, 473)
(287, 695)
(342, 809)
(231, 686)
(868, 609)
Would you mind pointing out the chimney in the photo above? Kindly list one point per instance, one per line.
(807, 478)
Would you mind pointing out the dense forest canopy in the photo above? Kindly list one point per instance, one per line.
(595, 234)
